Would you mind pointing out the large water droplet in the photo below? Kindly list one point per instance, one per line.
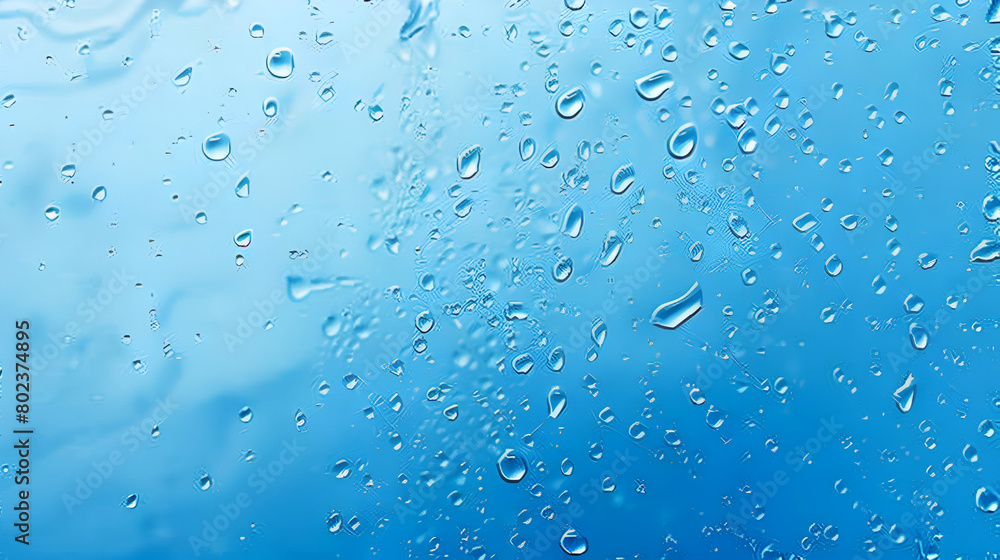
(805, 222)
(919, 337)
(653, 86)
(270, 107)
(557, 359)
(511, 466)
(217, 146)
(280, 63)
(570, 104)
(563, 269)
(243, 238)
(557, 402)
(573, 543)
(468, 161)
(988, 250)
(572, 224)
(905, 394)
(833, 265)
(243, 186)
(683, 141)
(622, 179)
(611, 249)
(986, 498)
(675, 313)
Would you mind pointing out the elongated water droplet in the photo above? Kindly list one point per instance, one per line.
(468, 161)
(572, 224)
(919, 337)
(270, 107)
(651, 87)
(675, 313)
(611, 249)
(557, 402)
(988, 250)
(905, 394)
(622, 179)
(243, 238)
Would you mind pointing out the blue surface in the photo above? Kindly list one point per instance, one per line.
(393, 318)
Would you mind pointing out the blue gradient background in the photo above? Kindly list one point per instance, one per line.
(372, 202)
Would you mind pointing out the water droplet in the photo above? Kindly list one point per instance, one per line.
(527, 149)
(715, 417)
(52, 213)
(986, 498)
(335, 522)
(683, 141)
(573, 543)
(563, 269)
(834, 26)
(557, 359)
(675, 313)
(99, 194)
(919, 337)
(991, 207)
(280, 63)
(557, 402)
(913, 304)
(738, 50)
(243, 186)
(622, 179)
(988, 250)
(570, 104)
(511, 467)
(217, 146)
(468, 161)
(805, 222)
(68, 171)
(183, 77)
(738, 225)
(256, 30)
(905, 394)
(203, 482)
(747, 140)
(833, 265)
(611, 249)
(270, 107)
(243, 238)
(572, 224)
(130, 501)
(651, 87)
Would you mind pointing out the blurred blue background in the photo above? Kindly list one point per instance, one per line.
(327, 332)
